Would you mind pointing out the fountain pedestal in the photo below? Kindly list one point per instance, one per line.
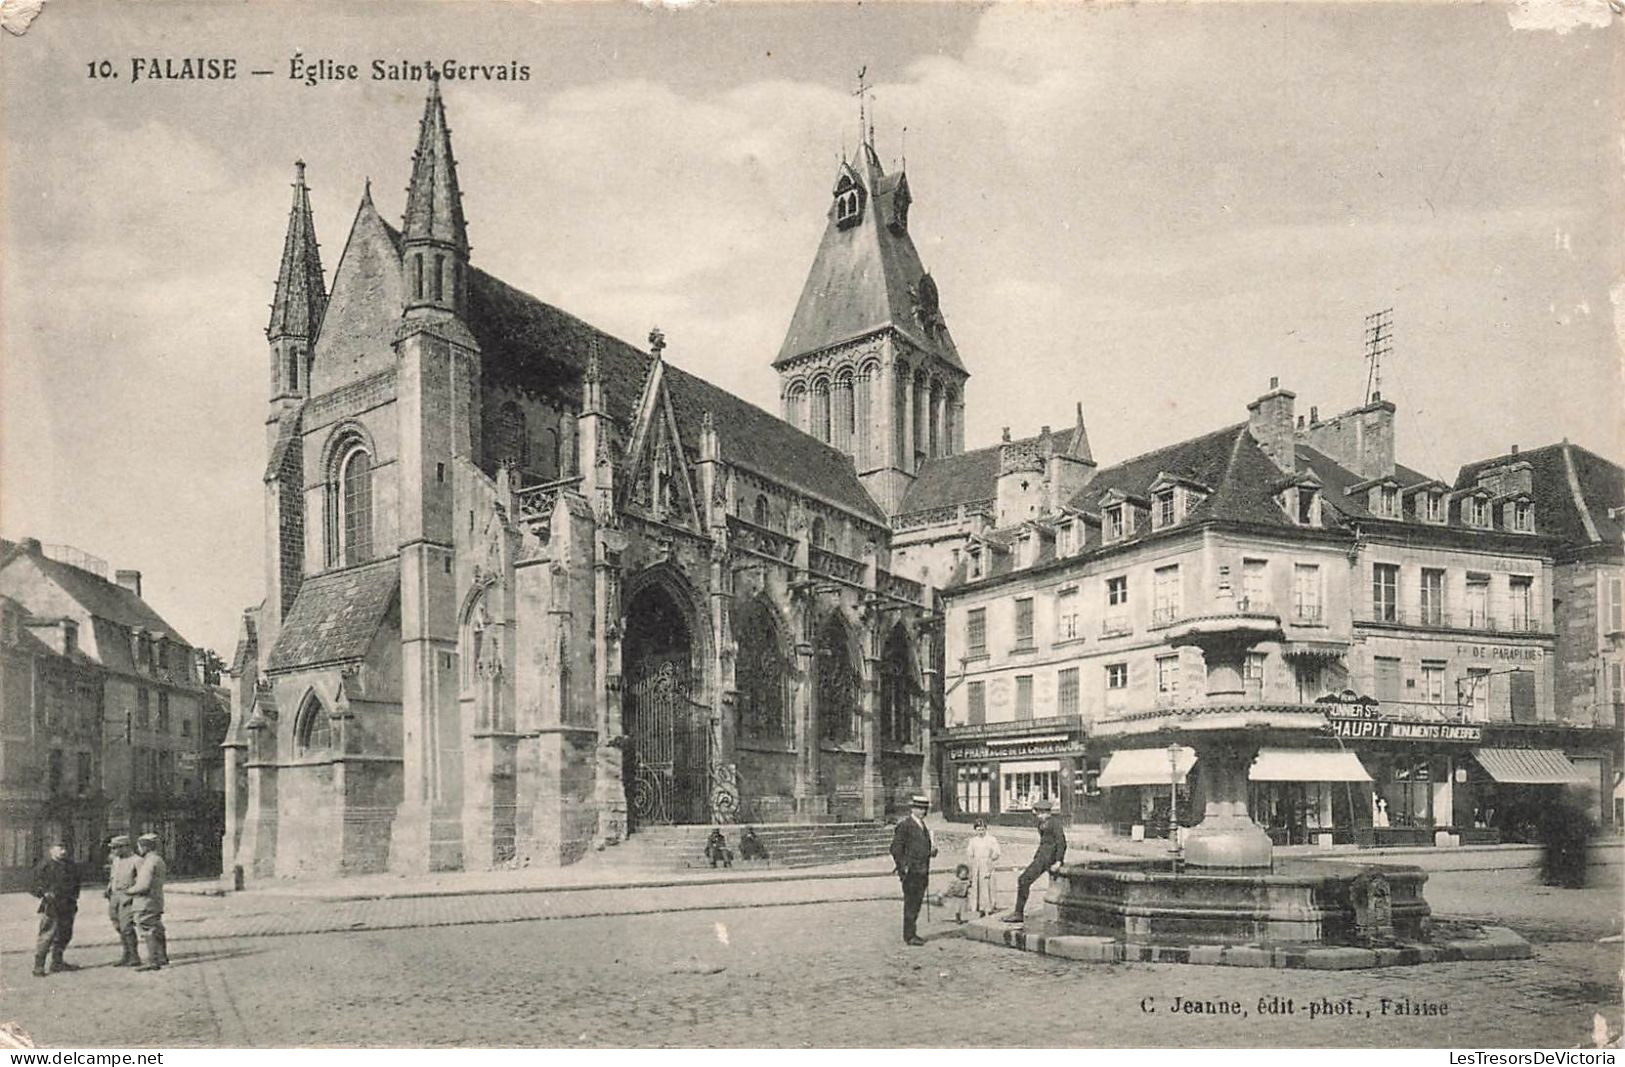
(1227, 836)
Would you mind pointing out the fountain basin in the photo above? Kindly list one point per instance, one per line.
(1293, 902)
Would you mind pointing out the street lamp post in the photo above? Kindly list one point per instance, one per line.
(1173, 802)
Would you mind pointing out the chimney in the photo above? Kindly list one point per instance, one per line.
(1269, 420)
(1514, 450)
(130, 580)
(31, 546)
(1314, 414)
(1361, 440)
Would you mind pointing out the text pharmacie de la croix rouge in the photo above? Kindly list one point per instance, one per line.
(310, 71)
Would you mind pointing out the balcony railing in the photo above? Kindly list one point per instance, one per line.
(1470, 619)
(761, 540)
(536, 501)
(1164, 615)
(833, 565)
(895, 585)
(1115, 626)
(1308, 614)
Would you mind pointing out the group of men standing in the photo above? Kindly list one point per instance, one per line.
(912, 851)
(135, 904)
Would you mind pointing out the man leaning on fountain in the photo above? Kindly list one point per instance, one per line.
(1047, 859)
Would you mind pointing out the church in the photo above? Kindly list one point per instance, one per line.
(530, 588)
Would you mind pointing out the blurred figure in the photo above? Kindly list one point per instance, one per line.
(981, 854)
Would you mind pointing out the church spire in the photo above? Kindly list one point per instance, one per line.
(300, 300)
(434, 234)
(301, 296)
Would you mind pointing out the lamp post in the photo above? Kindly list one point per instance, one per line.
(1173, 801)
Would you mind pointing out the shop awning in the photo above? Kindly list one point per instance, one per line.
(1145, 766)
(1307, 765)
(1529, 766)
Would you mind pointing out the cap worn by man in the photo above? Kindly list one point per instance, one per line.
(1043, 806)
(147, 837)
(119, 840)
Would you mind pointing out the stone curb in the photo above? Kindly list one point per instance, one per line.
(1495, 943)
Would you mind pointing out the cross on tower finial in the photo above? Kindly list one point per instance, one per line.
(866, 127)
(657, 342)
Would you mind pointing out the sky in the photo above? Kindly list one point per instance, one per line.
(1149, 209)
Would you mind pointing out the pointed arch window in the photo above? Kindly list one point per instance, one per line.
(509, 441)
(761, 513)
(840, 716)
(759, 674)
(439, 277)
(313, 729)
(899, 422)
(817, 534)
(349, 503)
(897, 691)
(417, 276)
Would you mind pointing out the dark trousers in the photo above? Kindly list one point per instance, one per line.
(913, 896)
(55, 931)
(1024, 885)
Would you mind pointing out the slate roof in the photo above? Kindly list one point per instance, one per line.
(1559, 510)
(335, 616)
(532, 346)
(369, 290)
(296, 309)
(864, 277)
(102, 599)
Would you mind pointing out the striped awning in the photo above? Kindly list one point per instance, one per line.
(1528, 766)
(1146, 766)
(1306, 765)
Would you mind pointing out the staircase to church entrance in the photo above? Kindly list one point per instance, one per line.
(663, 849)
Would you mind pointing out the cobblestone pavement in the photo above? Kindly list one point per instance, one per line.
(756, 969)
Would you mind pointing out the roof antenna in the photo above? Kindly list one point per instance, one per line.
(1379, 336)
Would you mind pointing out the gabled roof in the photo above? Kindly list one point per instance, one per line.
(369, 291)
(1573, 490)
(868, 276)
(98, 597)
(335, 616)
(301, 295)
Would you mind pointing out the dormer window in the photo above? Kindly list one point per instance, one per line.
(1165, 507)
(1433, 506)
(1388, 501)
(1475, 511)
(1520, 516)
(1116, 525)
(1308, 506)
(848, 204)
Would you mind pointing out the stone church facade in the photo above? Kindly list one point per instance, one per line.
(530, 589)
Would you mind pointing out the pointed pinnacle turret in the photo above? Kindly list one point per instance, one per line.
(434, 203)
(1078, 448)
(301, 296)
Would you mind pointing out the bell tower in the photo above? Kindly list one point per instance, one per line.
(868, 364)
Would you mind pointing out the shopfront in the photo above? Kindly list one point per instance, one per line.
(1149, 790)
(1423, 778)
(997, 771)
(1309, 796)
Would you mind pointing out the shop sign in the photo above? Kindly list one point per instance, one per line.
(1024, 748)
(1501, 653)
(1363, 728)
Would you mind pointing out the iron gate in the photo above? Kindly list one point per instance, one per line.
(669, 750)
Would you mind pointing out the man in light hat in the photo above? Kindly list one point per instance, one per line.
(120, 877)
(56, 883)
(911, 852)
(147, 902)
(1046, 859)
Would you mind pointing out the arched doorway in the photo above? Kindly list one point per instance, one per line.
(668, 733)
(897, 691)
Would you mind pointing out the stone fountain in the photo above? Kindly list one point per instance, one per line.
(1227, 899)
